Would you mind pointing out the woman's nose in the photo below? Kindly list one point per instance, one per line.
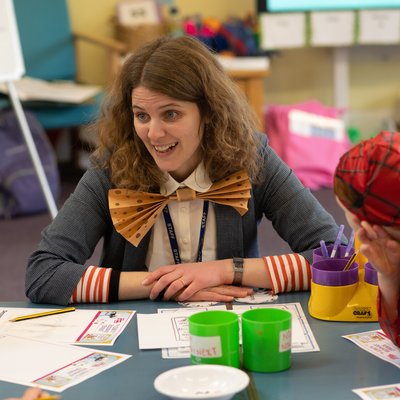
(156, 130)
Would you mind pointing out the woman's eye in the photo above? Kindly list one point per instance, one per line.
(171, 115)
(142, 117)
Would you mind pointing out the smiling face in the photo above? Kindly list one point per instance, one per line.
(170, 129)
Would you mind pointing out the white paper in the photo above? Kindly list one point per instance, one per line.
(280, 31)
(64, 92)
(51, 366)
(244, 63)
(376, 343)
(171, 322)
(88, 327)
(258, 296)
(379, 26)
(138, 12)
(174, 326)
(384, 392)
(306, 124)
(332, 28)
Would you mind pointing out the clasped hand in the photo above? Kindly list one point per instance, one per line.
(205, 281)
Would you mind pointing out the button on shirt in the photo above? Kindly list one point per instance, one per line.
(186, 217)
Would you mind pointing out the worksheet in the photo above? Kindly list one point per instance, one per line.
(87, 327)
(379, 392)
(51, 366)
(376, 343)
(173, 323)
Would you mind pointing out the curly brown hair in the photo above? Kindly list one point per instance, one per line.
(185, 69)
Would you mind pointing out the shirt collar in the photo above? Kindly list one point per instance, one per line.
(198, 180)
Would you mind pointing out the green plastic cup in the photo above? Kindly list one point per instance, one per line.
(267, 339)
(214, 338)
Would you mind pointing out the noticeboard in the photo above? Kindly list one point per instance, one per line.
(12, 63)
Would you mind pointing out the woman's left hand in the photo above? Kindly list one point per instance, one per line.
(188, 279)
(221, 294)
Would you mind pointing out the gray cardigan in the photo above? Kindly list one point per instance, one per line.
(56, 267)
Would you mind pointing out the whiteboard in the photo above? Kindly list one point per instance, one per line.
(12, 63)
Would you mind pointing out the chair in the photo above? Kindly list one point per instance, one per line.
(48, 47)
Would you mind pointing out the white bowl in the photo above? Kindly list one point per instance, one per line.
(209, 381)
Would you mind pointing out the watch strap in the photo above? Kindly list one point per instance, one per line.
(237, 271)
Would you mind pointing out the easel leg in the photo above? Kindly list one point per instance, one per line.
(23, 124)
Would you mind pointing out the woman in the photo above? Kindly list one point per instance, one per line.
(367, 186)
(175, 124)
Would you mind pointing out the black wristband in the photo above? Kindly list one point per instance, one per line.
(237, 271)
(113, 289)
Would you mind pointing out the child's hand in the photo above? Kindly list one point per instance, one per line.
(380, 248)
(31, 394)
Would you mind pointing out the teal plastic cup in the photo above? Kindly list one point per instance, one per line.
(267, 340)
(214, 338)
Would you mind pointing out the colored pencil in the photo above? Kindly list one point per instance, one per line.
(324, 250)
(350, 262)
(337, 241)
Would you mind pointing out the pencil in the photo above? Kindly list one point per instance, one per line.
(42, 314)
(324, 250)
(337, 241)
(49, 398)
(350, 261)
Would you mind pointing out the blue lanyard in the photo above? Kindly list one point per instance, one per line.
(172, 237)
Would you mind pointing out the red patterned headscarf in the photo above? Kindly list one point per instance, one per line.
(371, 169)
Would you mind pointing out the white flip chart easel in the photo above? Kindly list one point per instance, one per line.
(12, 68)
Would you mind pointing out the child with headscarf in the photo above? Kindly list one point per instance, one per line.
(367, 186)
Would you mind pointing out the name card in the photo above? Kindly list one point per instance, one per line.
(379, 26)
(138, 12)
(332, 28)
(282, 30)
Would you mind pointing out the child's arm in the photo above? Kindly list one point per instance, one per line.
(383, 251)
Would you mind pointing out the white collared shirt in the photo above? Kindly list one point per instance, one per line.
(186, 217)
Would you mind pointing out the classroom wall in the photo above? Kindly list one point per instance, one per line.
(296, 75)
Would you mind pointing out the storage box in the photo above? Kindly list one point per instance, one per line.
(135, 37)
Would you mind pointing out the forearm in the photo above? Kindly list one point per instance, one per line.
(288, 272)
(131, 287)
(105, 285)
(255, 273)
(389, 297)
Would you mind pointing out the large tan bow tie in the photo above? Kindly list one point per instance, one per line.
(134, 213)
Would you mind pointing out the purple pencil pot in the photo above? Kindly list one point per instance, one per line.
(329, 272)
(370, 274)
(332, 288)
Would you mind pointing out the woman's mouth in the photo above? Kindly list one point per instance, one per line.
(165, 148)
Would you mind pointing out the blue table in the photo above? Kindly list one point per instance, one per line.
(332, 373)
